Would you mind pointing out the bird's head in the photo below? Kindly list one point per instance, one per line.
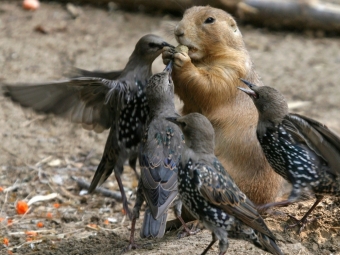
(198, 132)
(269, 102)
(151, 46)
(160, 86)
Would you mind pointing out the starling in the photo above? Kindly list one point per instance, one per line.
(211, 195)
(159, 155)
(303, 151)
(99, 104)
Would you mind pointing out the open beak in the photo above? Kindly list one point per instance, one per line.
(168, 68)
(250, 92)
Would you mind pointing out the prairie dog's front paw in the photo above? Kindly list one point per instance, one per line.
(181, 56)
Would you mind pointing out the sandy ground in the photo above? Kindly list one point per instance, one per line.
(39, 154)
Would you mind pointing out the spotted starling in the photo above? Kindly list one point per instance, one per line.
(303, 151)
(100, 104)
(210, 194)
(159, 155)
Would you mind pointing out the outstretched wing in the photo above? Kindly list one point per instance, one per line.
(159, 156)
(74, 72)
(318, 138)
(92, 102)
(217, 187)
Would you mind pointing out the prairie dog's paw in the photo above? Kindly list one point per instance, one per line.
(181, 56)
(181, 59)
(168, 54)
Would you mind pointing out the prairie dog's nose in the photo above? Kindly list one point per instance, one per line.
(179, 31)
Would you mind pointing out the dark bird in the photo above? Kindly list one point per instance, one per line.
(159, 155)
(210, 194)
(75, 72)
(99, 104)
(303, 151)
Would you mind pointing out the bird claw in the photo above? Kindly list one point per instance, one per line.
(190, 229)
(131, 246)
(301, 223)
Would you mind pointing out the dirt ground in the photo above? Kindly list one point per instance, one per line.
(39, 154)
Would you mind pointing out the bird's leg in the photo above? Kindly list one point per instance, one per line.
(223, 243)
(178, 212)
(124, 199)
(303, 222)
(214, 239)
(135, 216)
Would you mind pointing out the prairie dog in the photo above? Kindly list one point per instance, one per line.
(206, 80)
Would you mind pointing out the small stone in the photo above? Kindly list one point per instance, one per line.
(182, 48)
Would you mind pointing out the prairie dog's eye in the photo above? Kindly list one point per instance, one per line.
(209, 20)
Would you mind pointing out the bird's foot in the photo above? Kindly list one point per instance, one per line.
(131, 246)
(300, 223)
(189, 229)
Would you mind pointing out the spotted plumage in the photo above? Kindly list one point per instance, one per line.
(98, 103)
(159, 155)
(211, 195)
(303, 151)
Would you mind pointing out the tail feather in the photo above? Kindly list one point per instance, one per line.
(269, 244)
(104, 170)
(153, 227)
(263, 241)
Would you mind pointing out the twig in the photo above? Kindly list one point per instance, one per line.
(39, 198)
(19, 246)
(105, 192)
(36, 231)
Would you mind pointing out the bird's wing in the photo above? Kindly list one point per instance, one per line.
(217, 187)
(92, 102)
(74, 72)
(319, 138)
(160, 153)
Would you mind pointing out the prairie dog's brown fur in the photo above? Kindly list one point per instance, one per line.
(206, 80)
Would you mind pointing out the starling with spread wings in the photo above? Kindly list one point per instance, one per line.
(98, 104)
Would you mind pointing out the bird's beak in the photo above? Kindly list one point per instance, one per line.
(165, 44)
(173, 120)
(168, 68)
(250, 92)
(249, 84)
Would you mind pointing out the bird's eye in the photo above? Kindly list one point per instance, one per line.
(153, 45)
(209, 20)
